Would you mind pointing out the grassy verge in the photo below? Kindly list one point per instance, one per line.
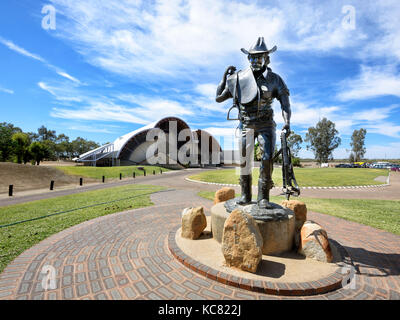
(17, 238)
(380, 214)
(109, 172)
(306, 177)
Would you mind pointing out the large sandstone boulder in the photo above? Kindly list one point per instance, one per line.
(242, 242)
(300, 212)
(314, 242)
(193, 222)
(224, 194)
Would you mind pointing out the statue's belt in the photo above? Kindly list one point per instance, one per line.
(253, 114)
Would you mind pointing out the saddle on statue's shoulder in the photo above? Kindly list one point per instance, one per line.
(246, 86)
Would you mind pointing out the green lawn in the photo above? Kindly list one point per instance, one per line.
(17, 238)
(110, 172)
(306, 177)
(380, 214)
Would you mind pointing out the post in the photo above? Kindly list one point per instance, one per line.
(120, 176)
(80, 181)
(104, 179)
(10, 190)
(51, 184)
(160, 171)
(154, 172)
(144, 172)
(134, 175)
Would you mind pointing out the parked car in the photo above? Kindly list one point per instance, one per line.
(344, 165)
(395, 167)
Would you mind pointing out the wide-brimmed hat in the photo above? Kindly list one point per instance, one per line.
(259, 47)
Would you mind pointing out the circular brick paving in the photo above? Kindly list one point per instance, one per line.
(126, 256)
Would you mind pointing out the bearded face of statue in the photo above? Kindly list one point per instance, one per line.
(258, 60)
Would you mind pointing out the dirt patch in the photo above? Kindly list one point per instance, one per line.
(381, 179)
(28, 177)
(60, 163)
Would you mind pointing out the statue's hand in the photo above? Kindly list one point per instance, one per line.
(286, 127)
(229, 71)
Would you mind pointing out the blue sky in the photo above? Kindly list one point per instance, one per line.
(110, 67)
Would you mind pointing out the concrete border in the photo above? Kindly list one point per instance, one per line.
(315, 188)
(327, 284)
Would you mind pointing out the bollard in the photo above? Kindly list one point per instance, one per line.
(104, 179)
(144, 172)
(134, 175)
(120, 176)
(51, 185)
(80, 181)
(154, 172)
(10, 190)
(160, 171)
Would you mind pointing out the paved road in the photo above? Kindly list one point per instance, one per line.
(125, 256)
(176, 180)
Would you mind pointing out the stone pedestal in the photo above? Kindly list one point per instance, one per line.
(278, 235)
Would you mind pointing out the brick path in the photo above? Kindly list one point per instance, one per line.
(125, 256)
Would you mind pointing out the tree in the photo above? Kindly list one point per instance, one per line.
(80, 146)
(45, 134)
(323, 139)
(49, 139)
(33, 136)
(21, 145)
(63, 146)
(52, 149)
(358, 144)
(351, 158)
(257, 152)
(39, 151)
(294, 142)
(6, 143)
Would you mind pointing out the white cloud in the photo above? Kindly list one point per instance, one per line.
(60, 93)
(152, 108)
(385, 128)
(140, 109)
(382, 23)
(66, 75)
(386, 151)
(85, 128)
(99, 111)
(371, 82)
(178, 38)
(207, 89)
(307, 113)
(375, 114)
(12, 46)
(5, 90)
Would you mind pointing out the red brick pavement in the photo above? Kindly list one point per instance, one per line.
(125, 256)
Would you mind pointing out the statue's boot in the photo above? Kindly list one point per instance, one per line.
(245, 184)
(263, 194)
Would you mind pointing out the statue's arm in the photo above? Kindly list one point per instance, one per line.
(283, 97)
(223, 92)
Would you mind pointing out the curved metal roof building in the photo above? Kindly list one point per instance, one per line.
(133, 147)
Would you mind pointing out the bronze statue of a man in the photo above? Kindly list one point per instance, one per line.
(253, 91)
